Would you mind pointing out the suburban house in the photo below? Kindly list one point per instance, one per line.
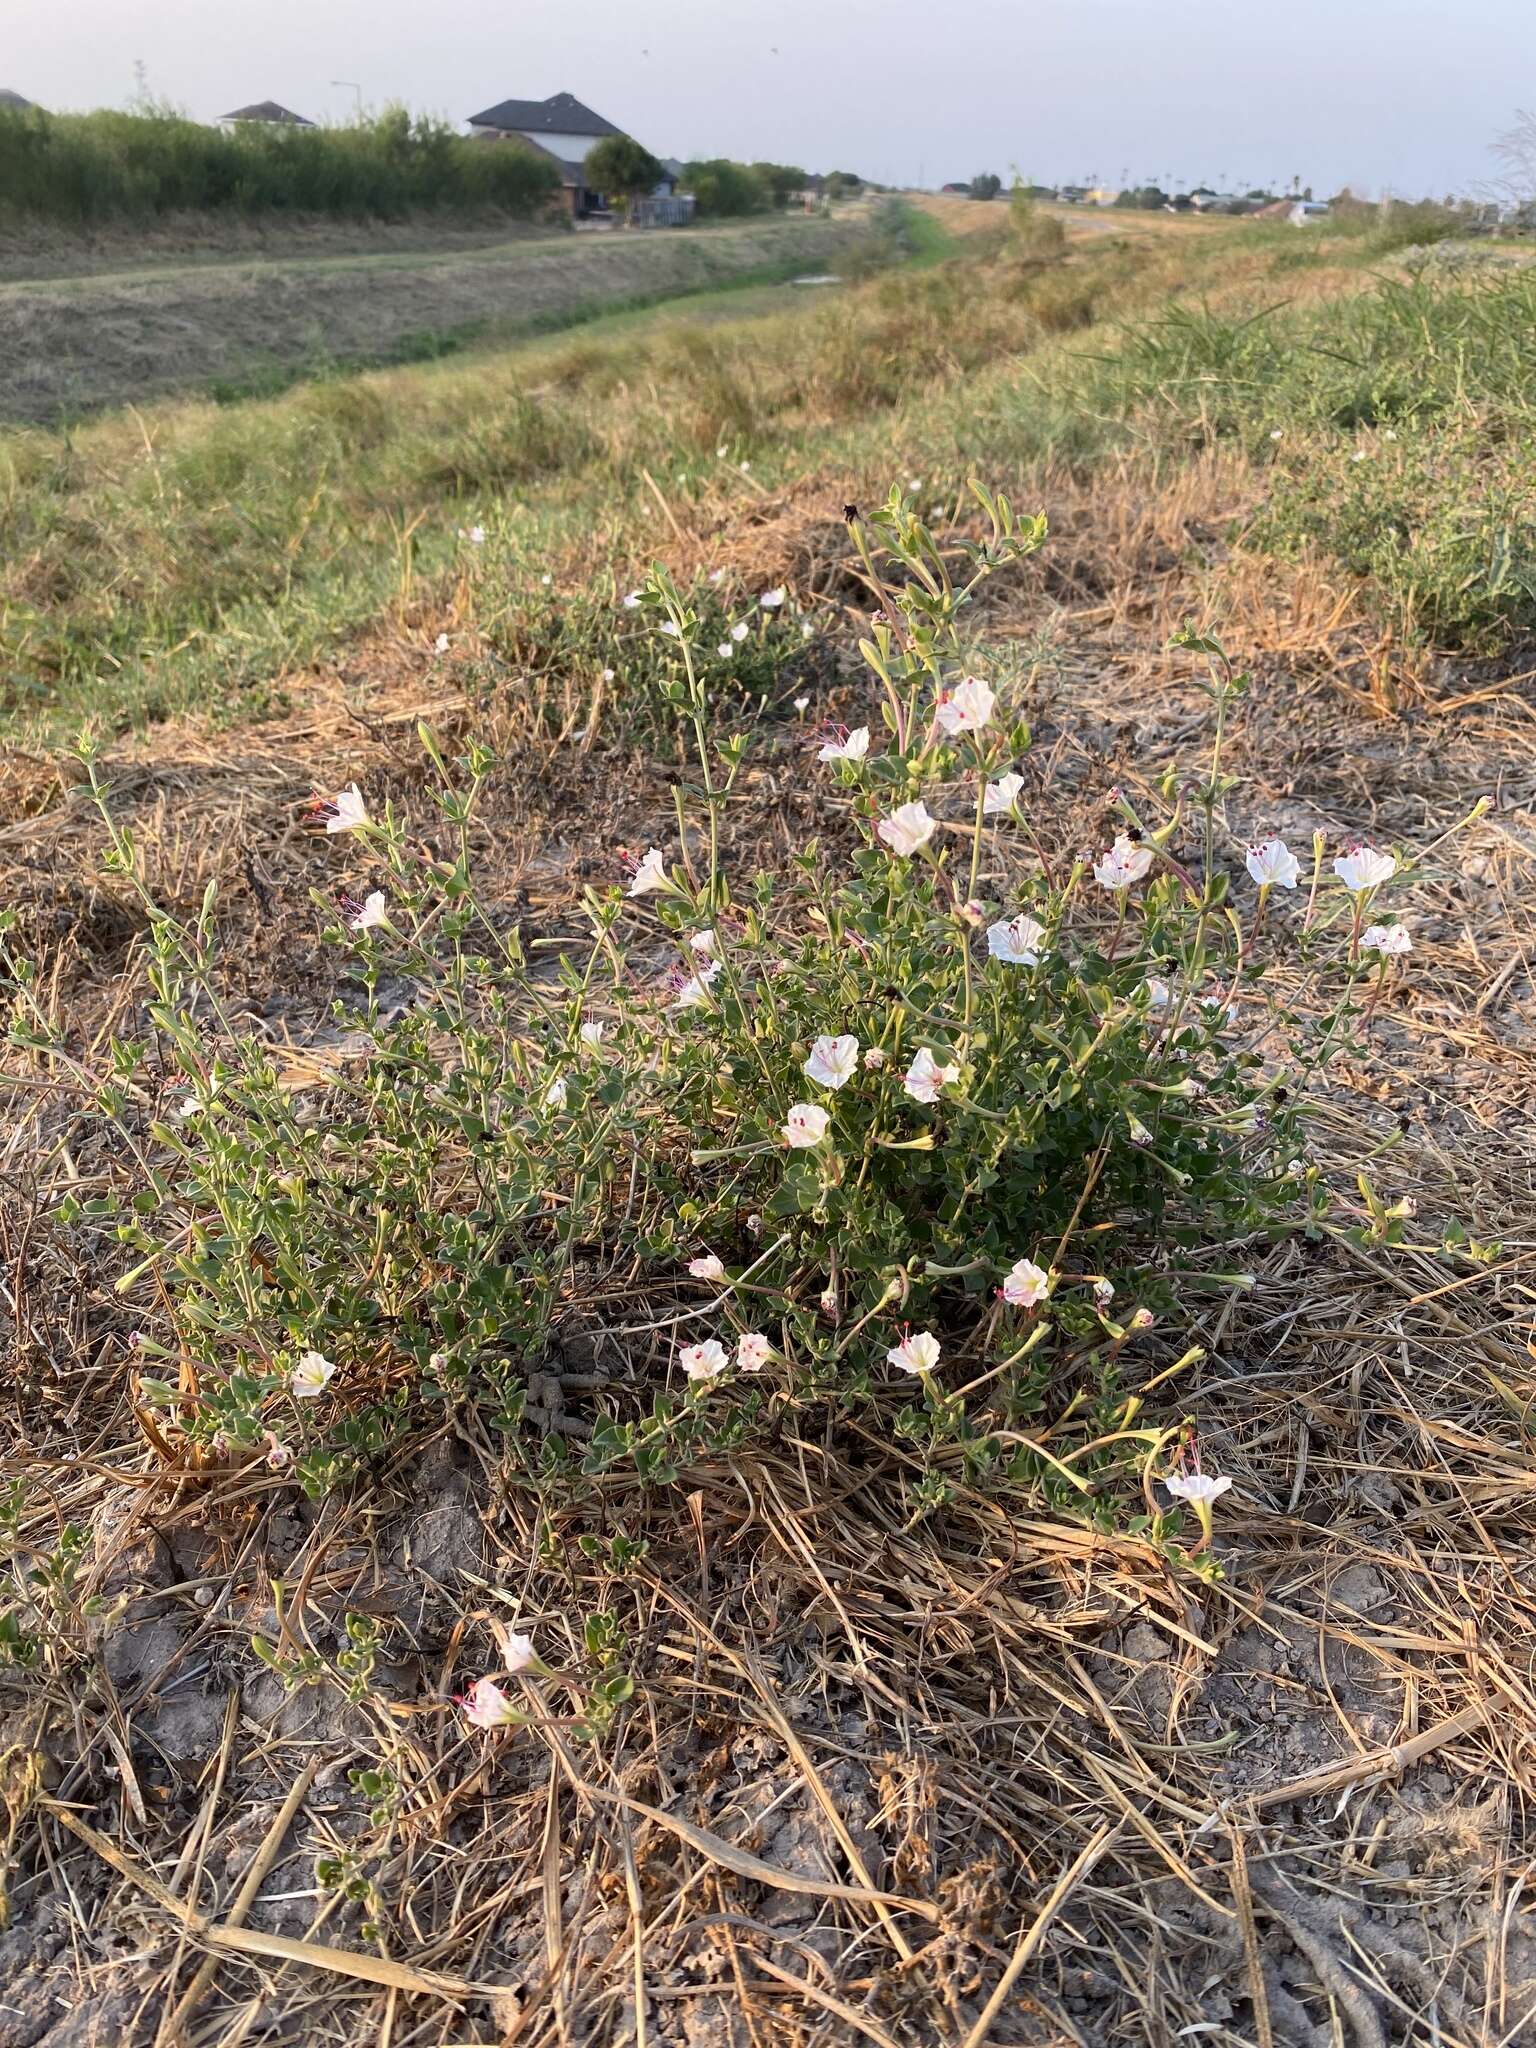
(12, 102)
(562, 128)
(269, 114)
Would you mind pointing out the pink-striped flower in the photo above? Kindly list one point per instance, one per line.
(1363, 867)
(343, 812)
(917, 1352)
(1124, 864)
(1017, 941)
(907, 829)
(703, 1362)
(967, 707)
(925, 1077)
(833, 1061)
(1272, 864)
(805, 1126)
(1026, 1285)
(487, 1706)
(311, 1376)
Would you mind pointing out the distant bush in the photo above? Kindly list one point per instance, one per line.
(84, 169)
(1407, 227)
(1035, 235)
(723, 187)
(785, 182)
(1399, 223)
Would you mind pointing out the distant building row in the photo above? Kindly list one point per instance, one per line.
(1201, 200)
(559, 128)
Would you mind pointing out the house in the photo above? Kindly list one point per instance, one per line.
(562, 128)
(268, 113)
(1071, 195)
(961, 186)
(12, 102)
(1101, 195)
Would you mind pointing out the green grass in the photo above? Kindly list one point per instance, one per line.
(931, 242)
(1394, 428)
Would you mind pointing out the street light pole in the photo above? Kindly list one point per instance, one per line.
(353, 87)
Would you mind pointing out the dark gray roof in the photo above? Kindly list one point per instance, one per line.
(268, 110)
(13, 100)
(561, 114)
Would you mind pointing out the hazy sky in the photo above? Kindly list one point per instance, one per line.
(1402, 95)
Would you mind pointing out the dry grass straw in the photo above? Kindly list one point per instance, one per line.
(992, 1779)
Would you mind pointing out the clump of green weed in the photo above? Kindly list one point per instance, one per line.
(947, 1128)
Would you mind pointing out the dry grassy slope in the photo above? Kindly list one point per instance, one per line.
(77, 344)
(1060, 1796)
(34, 250)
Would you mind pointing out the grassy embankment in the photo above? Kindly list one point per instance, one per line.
(74, 346)
(190, 554)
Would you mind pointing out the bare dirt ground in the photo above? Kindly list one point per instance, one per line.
(990, 1782)
(73, 344)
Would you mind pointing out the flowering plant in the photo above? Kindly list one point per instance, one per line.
(961, 1098)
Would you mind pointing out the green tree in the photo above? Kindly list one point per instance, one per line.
(986, 185)
(721, 186)
(784, 181)
(620, 168)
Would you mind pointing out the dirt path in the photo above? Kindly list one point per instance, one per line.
(76, 344)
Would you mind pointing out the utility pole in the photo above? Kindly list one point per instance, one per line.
(356, 90)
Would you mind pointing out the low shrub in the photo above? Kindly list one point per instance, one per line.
(945, 1127)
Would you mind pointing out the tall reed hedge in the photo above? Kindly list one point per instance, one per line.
(84, 169)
